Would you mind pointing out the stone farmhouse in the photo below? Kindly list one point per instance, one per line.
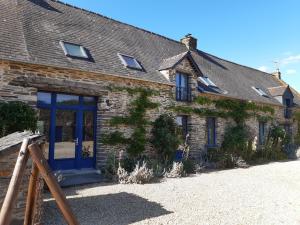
(80, 70)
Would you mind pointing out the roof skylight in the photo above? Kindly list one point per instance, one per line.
(130, 62)
(260, 91)
(74, 50)
(207, 81)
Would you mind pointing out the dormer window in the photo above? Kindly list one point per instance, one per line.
(74, 50)
(260, 91)
(183, 92)
(130, 62)
(206, 81)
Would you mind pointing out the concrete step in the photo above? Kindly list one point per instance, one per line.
(68, 178)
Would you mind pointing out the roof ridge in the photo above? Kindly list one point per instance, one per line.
(117, 21)
(226, 60)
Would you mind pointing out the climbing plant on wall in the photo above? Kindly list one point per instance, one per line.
(238, 110)
(136, 119)
(297, 137)
(237, 138)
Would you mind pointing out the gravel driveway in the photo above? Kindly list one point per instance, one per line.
(265, 194)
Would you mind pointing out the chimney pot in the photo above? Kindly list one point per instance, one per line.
(277, 74)
(189, 41)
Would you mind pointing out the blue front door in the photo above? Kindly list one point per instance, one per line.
(69, 124)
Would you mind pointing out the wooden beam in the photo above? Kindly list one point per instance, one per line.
(31, 196)
(14, 185)
(42, 164)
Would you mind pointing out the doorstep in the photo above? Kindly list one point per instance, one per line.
(74, 177)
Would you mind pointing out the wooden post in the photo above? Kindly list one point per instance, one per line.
(56, 191)
(31, 196)
(14, 185)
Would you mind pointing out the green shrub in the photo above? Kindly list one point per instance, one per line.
(237, 143)
(16, 116)
(213, 154)
(164, 137)
(111, 166)
(128, 164)
(274, 146)
(189, 166)
(297, 136)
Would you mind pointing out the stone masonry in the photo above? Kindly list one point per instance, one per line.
(22, 81)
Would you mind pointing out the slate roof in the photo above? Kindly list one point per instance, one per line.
(30, 31)
(172, 61)
(277, 91)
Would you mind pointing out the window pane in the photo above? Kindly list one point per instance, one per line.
(211, 130)
(44, 98)
(88, 135)
(65, 134)
(75, 50)
(131, 62)
(43, 127)
(63, 99)
(181, 80)
(181, 121)
(261, 133)
(89, 100)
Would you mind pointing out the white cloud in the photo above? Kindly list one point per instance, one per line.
(291, 71)
(290, 59)
(263, 68)
(287, 53)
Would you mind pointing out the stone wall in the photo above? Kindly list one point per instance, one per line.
(21, 82)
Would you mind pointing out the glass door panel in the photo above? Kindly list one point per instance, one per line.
(65, 134)
(88, 135)
(43, 127)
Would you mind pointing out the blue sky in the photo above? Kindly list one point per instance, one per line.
(250, 32)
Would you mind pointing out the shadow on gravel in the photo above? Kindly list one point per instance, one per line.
(112, 209)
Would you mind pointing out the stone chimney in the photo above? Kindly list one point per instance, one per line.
(189, 41)
(277, 74)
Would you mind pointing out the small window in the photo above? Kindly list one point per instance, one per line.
(206, 81)
(183, 92)
(74, 50)
(262, 132)
(181, 121)
(130, 62)
(288, 102)
(211, 131)
(260, 91)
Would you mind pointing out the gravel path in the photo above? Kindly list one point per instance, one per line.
(266, 194)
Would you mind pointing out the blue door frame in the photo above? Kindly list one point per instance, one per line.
(78, 162)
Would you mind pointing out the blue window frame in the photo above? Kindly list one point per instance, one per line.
(77, 106)
(182, 122)
(183, 92)
(211, 131)
(262, 133)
